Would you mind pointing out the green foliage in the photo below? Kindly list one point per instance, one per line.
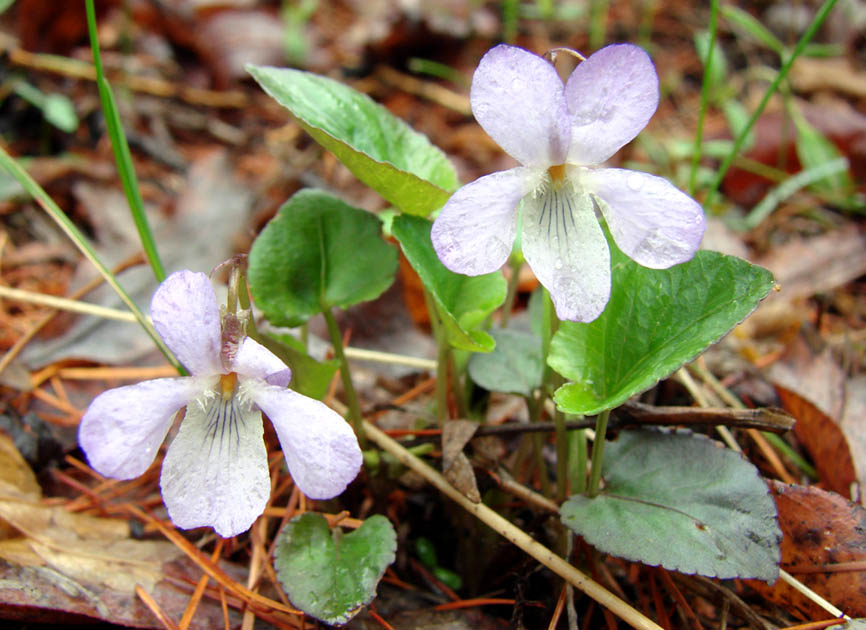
(680, 501)
(655, 321)
(330, 576)
(309, 377)
(463, 302)
(316, 253)
(515, 366)
(380, 149)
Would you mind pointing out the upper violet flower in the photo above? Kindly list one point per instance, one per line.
(560, 133)
(216, 470)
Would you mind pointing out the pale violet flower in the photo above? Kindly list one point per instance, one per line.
(216, 470)
(560, 134)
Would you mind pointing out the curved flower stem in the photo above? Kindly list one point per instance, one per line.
(597, 452)
(345, 375)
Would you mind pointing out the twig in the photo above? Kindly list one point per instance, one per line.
(514, 534)
(75, 68)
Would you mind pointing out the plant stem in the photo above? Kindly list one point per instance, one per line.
(442, 360)
(125, 167)
(551, 380)
(535, 408)
(578, 461)
(345, 375)
(597, 452)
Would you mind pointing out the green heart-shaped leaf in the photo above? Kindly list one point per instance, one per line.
(656, 321)
(515, 366)
(680, 501)
(330, 576)
(380, 149)
(463, 302)
(318, 252)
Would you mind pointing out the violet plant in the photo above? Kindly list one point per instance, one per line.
(617, 250)
(215, 473)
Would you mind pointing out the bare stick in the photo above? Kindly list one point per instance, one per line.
(514, 534)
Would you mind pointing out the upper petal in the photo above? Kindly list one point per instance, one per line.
(255, 361)
(653, 222)
(566, 248)
(475, 230)
(321, 449)
(122, 429)
(216, 470)
(517, 97)
(185, 314)
(611, 96)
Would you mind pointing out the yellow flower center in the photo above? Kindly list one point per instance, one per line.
(228, 382)
(557, 173)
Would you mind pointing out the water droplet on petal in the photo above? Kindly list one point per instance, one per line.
(557, 263)
(635, 182)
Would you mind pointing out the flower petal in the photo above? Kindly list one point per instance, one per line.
(566, 248)
(517, 97)
(652, 221)
(255, 361)
(122, 429)
(216, 470)
(475, 231)
(321, 449)
(611, 96)
(185, 314)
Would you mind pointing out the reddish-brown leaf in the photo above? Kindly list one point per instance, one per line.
(824, 547)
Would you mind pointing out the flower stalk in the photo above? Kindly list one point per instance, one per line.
(355, 416)
(598, 452)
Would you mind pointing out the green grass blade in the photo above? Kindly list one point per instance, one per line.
(807, 36)
(705, 96)
(754, 28)
(69, 228)
(122, 156)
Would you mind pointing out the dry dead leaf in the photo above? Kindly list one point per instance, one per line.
(825, 441)
(57, 565)
(16, 477)
(823, 546)
(456, 467)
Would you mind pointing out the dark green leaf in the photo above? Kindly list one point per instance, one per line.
(656, 321)
(515, 366)
(317, 253)
(680, 501)
(330, 576)
(464, 302)
(379, 148)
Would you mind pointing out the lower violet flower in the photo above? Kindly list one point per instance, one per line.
(560, 133)
(216, 471)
